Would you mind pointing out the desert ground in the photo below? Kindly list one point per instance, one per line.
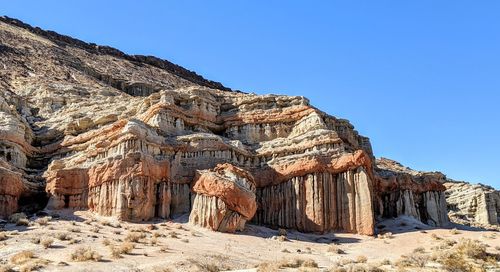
(81, 241)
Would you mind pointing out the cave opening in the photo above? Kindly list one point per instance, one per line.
(33, 203)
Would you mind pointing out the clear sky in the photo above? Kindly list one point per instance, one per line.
(420, 78)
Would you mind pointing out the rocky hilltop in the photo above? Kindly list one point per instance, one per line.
(88, 127)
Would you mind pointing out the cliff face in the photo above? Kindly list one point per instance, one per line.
(403, 191)
(137, 137)
(473, 204)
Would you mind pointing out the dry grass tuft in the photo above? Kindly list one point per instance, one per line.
(83, 254)
(454, 231)
(335, 249)
(22, 257)
(63, 236)
(46, 242)
(135, 237)
(23, 222)
(43, 221)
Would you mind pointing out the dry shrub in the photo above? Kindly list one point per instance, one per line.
(95, 229)
(6, 268)
(454, 231)
(3, 236)
(63, 236)
(335, 249)
(436, 237)
(361, 259)
(387, 235)
(16, 217)
(46, 242)
(419, 250)
(23, 222)
(35, 240)
(75, 230)
(34, 265)
(296, 263)
(126, 247)
(83, 254)
(135, 237)
(106, 242)
(43, 221)
(22, 257)
(282, 232)
(413, 260)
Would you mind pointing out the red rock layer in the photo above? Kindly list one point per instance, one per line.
(225, 198)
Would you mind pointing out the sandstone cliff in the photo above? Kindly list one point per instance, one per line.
(125, 136)
(473, 204)
(88, 127)
(403, 191)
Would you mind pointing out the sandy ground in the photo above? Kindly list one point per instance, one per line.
(196, 248)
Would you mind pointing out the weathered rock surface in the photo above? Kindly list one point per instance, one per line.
(403, 191)
(88, 127)
(473, 204)
(224, 198)
(125, 136)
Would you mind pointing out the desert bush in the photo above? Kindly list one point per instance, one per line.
(436, 237)
(22, 257)
(106, 242)
(35, 240)
(173, 234)
(3, 236)
(361, 259)
(75, 230)
(43, 221)
(135, 237)
(387, 235)
(413, 260)
(124, 248)
(185, 240)
(282, 232)
(46, 242)
(471, 248)
(33, 265)
(63, 236)
(83, 254)
(419, 250)
(454, 231)
(95, 229)
(6, 268)
(296, 263)
(23, 222)
(335, 249)
(16, 217)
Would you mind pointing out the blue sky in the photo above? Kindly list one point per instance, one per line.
(420, 78)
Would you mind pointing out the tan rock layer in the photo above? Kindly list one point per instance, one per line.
(319, 202)
(235, 196)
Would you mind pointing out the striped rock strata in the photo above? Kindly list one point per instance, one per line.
(403, 191)
(473, 204)
(224, 198)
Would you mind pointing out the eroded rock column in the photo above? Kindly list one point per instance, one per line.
(225, 198)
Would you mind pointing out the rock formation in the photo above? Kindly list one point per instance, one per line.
(224, 198)
(473, 204)
(403, 191)
(88, 127)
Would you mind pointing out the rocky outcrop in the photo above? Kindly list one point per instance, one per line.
(89, 127)
(403, 191)
(473, 204)
(224, 198)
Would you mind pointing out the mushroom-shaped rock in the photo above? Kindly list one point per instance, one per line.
(225, 198)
